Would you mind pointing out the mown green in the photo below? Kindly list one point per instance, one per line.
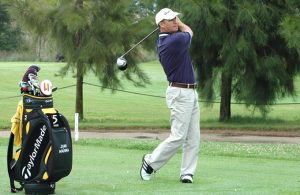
(106, 110)
(111, 166)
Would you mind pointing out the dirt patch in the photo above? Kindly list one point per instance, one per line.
(243, 136)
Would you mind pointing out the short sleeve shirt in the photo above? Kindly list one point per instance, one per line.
(173, 52)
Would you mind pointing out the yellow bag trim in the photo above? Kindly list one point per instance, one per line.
(49, 111)
(28, 110)
(27, 127)
(48, 154)
(36, 97)
(45, 176)
(17, 155)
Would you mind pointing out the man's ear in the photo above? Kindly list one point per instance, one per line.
(161, 24)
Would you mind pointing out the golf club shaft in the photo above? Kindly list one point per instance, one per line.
(140, 41)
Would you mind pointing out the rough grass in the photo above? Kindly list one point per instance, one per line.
(111, 166)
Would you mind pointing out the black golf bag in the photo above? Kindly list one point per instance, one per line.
(45, 153)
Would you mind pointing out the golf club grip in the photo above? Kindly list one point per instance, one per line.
(140, 41)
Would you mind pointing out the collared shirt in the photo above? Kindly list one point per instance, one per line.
(172, 49)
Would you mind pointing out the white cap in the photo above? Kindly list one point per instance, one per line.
(165, 14)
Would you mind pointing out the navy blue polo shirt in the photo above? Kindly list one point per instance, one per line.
(172, 49)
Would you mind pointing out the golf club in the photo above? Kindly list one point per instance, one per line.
(121, 61)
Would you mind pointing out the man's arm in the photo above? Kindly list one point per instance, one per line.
(183, 27)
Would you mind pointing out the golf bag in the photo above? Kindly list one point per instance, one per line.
(45, 153)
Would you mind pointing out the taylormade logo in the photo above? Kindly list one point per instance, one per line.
(26, 173)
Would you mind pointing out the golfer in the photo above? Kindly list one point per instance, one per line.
(181, 98)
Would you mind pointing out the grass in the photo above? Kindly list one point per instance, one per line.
(105, 166)
(104, 110)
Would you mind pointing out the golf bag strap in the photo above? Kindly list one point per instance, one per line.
(13, 188)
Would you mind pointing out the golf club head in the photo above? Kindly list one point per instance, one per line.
(122, 63)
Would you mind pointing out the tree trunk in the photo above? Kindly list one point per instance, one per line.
(79, 92)
(225, 110)
(79, 76)
(39, 48)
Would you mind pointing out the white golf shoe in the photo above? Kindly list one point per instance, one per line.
(146, 170)
(188, 178)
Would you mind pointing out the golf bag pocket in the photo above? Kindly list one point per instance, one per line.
(61, 152)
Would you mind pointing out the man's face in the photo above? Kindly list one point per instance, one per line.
(169, 25)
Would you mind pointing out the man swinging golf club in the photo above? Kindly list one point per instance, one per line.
(181, 98)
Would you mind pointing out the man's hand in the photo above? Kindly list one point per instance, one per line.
(183, 27)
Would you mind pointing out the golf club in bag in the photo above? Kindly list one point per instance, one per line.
(44, 145)
(121, 61)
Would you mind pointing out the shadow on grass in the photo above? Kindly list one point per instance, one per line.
(254, 120)
(253, 123)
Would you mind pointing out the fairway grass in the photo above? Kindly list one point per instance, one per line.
(111, 166)
(106, 110)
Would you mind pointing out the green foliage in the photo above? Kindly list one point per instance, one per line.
(10, 35)
(290, 27)
(90, 34)
(242, 39)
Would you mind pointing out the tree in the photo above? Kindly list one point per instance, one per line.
(10, 36)
(91, 34)
(290, 27)
(237, 46)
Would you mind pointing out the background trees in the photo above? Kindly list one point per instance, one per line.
(90, 34)
(246, 51)
(290, 26)
(239, 52)
(10, 35)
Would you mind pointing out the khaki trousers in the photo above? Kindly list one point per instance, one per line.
(185, 131)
